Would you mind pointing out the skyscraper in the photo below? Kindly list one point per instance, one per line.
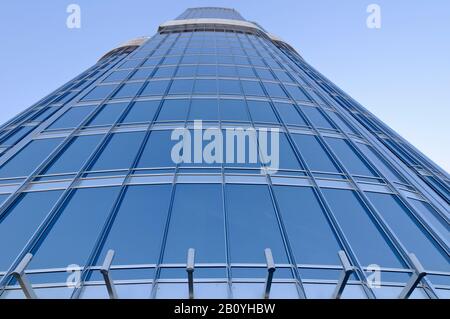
(94, 203)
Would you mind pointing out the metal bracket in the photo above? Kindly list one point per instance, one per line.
(21, 277)
(270, 270)
(106, 276)
(190, 267)
(343, 279)
(416, 277)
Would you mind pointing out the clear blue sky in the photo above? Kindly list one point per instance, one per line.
(400, 72)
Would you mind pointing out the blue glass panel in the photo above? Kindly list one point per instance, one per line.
(28, 158)
(185, 70)
(18, 135)
(181, 87)
(289, 114)
(142, 74)
(229, 87)
(138, 228)
(233, 110)
(155, 88)
(197, 222)
(174, 110)
(384, 167)
(313, 153)
(296, 93)
(142, 111)
(73, 235)
(264, 74)
(366, 240)
(99, 92)
(310, 234)
(274, 90)
(410, 234)
(246, 72)
(109, 114)
(206, 110)
(261, 111)
(339, 121)
(225, 71)
(250, 211)
(157, 151)
(348, 157)
(206, 70)
(164, 72)
(288, 159)
(20, 221)
(128, 90)
(316, 117)
(117, 76)
(432, 217)
(120, 151)
(252, 88)
(205, 87)
(72, 118)
(75, 155)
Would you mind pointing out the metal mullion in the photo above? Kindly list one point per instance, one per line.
(157, 274)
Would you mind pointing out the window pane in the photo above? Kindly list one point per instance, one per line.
(109, 114)
(72, 237)
(431, 216)
(289, 114)
(120, 151)
(288, 159)
(250, 211)
(142, 74)
(157, 151)
(18, 135)
(20, 221)
(196, 222)
(128, 90)
(173, 110)
(380, 163)
(348, 157)
(246, 72)
(316, 117)
(274, 90)
(138, 228)
(75, 155)
(155, 88)
(72, 118)
(310, 235)
(297, 93)
(142, 112)
(99, 92)
(369, 244)
(117, 76)
(314, 154)
(229, 87)
(206, 70)
(252, 88)
(206, 110)
(205, 87)
(181, 87)
(411, 235)
(233, 110)
(226, 71)
(28, 159)
(261, 111)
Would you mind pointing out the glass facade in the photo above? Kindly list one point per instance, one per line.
(89, 168)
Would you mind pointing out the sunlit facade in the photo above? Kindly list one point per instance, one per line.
(88, 169)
